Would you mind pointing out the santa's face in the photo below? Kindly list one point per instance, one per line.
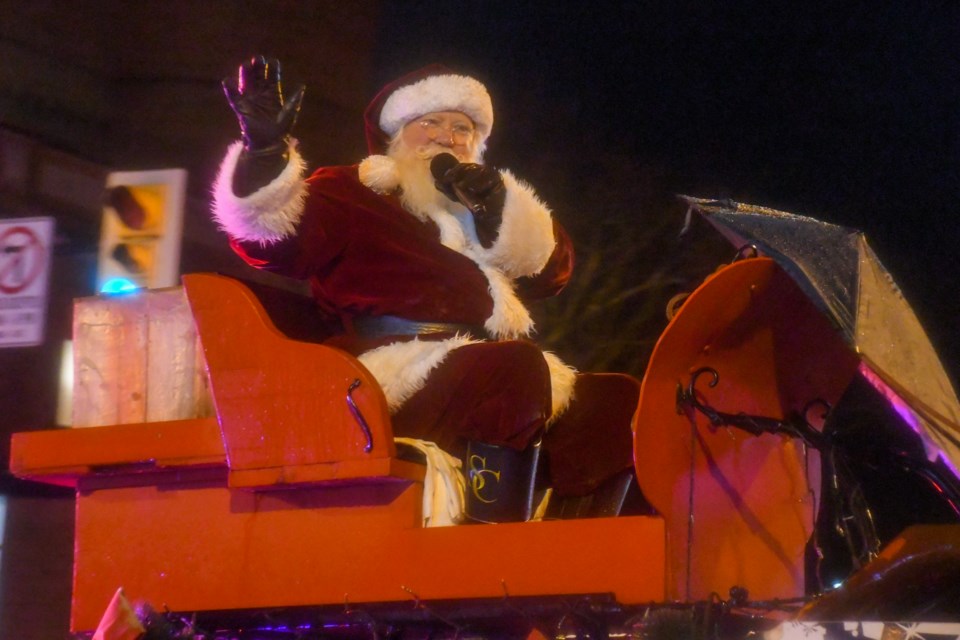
(441, 132)
(416, 144)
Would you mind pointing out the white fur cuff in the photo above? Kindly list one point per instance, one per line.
(526, 237)
(267, 215)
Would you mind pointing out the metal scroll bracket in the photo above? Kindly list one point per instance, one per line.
(795, 425)
(355, 411)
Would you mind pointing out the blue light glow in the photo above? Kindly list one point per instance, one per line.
(115, 286)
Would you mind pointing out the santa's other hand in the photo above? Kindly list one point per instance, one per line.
(481, 184)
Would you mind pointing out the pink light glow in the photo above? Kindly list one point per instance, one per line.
(907, 414)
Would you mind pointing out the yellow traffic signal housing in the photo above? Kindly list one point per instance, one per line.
(141, 230)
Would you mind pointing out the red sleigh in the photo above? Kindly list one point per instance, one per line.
(293, 498)
(293, 495)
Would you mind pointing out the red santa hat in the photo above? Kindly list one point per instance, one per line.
(433, 88)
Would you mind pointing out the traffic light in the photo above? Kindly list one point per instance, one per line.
(140, 233)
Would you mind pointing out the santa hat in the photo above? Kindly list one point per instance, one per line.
(433, 88)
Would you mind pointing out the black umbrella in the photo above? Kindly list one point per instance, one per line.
(836, 268)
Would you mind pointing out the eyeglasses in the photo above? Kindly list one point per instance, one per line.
(460, 132)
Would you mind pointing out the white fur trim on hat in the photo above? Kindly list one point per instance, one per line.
(438, 93)
(270, 213)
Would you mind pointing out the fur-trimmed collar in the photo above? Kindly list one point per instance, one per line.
(380, 174)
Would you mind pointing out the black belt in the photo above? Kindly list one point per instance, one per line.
(383, 326)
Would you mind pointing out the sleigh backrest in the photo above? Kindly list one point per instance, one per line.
(289, 411)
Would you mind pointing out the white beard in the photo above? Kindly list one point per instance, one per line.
(418, 191)
(409, 170)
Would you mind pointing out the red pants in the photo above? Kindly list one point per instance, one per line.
(499, 393)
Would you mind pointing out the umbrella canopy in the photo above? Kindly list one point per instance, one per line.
(836, 268)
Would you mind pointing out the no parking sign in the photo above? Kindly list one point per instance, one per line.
(25, 248)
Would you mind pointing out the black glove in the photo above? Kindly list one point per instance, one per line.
(478, 184)
(256, 96)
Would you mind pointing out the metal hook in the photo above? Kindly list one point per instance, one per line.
(584, 625)
(687, 398)
(413, 594)
(744, 250)
(418, 604)
(795, 425)
(687, 221)
(359, 416)
(816, 402)
(361, 616)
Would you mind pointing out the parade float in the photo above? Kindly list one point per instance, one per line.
(795, 444)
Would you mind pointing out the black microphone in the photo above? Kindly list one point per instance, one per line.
(440, 165)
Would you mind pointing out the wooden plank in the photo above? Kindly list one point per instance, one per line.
(110, 339)
(43, 455)
(135, 360)
(172, 389)
(372, 470)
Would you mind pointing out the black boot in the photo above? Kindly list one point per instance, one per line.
(617, 495)
(500, 482)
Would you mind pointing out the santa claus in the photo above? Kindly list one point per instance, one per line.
(426, 258)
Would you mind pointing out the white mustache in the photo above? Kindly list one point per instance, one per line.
(430, 150)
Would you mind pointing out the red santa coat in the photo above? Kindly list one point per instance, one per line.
(365, 255)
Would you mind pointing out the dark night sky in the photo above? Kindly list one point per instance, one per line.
(848, 112)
